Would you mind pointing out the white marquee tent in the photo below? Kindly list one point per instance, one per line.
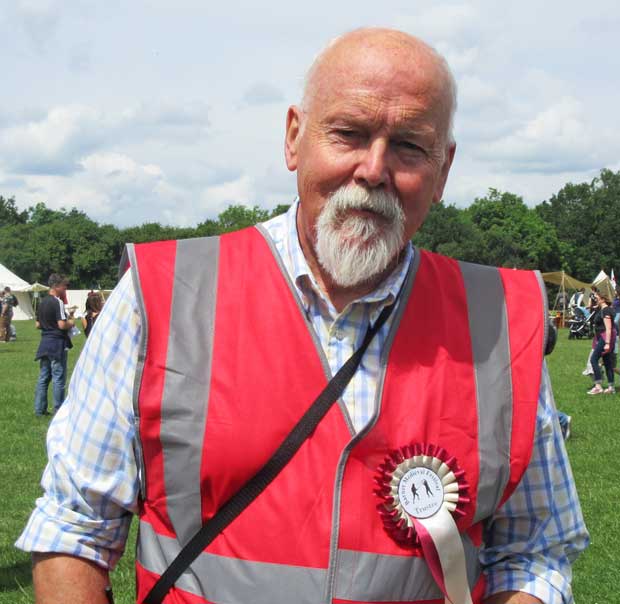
(20, 289)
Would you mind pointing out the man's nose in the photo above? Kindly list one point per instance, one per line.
(372, 170)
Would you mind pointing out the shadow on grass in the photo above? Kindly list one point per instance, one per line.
(15, 576)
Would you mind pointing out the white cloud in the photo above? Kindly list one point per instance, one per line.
(111, 187)
(80, 57)
(57, 142)
(457, 30)
(218, 197)
(54, 143)
(114, 187)
(461, 60)
(441, 21)
(556, 139)
(262, 93)
(475, 92)
(116, 165)
(178, 122)
(39, 19)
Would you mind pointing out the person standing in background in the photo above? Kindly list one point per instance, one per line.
(8, 301)
(94, 304)
(55, 325)
(603, 345)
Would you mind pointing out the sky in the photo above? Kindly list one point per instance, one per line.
(160, 111)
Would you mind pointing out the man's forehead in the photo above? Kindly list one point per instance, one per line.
(380, 75)
(402, 118)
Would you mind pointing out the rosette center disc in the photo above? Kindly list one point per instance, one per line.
(420, 492)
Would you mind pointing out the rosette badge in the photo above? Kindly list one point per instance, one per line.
(417, 482)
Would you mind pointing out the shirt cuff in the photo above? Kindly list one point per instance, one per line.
(52, 529)
(544, 584)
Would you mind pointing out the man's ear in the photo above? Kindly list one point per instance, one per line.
(293, 135)
(443, 174)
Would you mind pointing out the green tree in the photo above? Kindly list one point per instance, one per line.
(281, 208)
(514, 235)
(585, 217)
(153, 231)
(63, 241)
(18, 253)
(208, 228)
(449, 230)
(40, 214)
(236, 217)
(10, 214)
(72, 246)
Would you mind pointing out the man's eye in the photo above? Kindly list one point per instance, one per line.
(348, 134)
(408, 146)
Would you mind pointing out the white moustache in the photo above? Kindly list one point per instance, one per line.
(385, 205)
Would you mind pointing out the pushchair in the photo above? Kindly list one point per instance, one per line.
(580, 325)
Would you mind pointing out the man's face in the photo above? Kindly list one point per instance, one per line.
(373, 123)
(61, 288)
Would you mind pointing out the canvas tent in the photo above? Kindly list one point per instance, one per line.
(20, 289)
(35, 289)
(566, 283)
(603, 284)
(564, 280)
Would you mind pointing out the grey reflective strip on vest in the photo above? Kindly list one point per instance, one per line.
(367, 577)
(361, 576)
(491, 354)
(129, 256)
(222, 579)
(188, 378)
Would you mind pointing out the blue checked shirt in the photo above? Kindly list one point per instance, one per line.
(91, 481)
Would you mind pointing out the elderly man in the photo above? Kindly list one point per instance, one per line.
(439, 473)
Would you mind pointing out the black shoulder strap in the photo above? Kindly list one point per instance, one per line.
(552, 338)
(259, 482)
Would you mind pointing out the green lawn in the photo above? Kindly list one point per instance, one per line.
(593, 450)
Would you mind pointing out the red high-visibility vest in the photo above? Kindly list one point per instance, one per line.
(229, 363)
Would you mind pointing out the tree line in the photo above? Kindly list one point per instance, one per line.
(575, 230)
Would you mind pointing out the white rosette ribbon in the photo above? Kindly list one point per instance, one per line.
(422, 489)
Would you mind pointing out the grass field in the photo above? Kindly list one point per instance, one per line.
(593, 449)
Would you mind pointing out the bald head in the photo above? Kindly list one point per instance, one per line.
(390, 50)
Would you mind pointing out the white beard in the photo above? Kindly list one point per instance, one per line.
(354, 249)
